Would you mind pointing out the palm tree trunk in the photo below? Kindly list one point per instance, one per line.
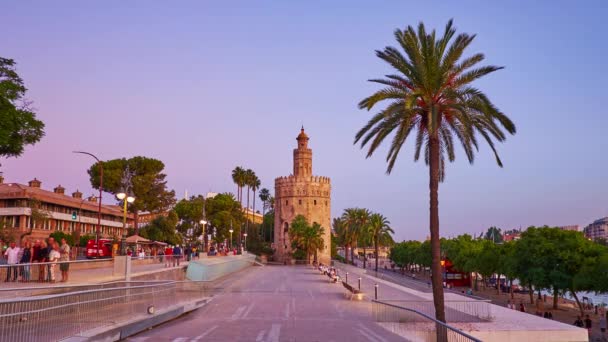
(437, 277)
(376, 251)
(253, 211)
(247, 212)
(262, 225)
(555, 296)
(346, 253)
(364, 258)
(498, 284)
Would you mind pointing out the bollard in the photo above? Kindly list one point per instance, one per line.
(376, 291)
(359, 283)
(347, 277)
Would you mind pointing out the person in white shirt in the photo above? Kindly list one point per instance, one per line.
(12, 258)
(54, 257)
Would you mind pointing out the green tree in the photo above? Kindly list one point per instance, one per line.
(380, 231)
(305, 237)
(38, 217)
(18, 124)
(494, 234)
(223, 212)
(58, 235)
(163, 228)
(190, 213)
(148, 183)
(432, 95)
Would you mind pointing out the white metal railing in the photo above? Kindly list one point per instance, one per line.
(456, 311)
(59, 316)
(416, 325)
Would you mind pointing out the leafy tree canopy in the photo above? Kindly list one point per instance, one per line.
(18, 124)
(147, 182)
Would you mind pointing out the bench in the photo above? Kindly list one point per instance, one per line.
(332, 279)
(352, 291)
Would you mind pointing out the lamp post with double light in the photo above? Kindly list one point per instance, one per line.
(126, 199)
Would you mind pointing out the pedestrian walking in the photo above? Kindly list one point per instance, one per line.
(12, 258)
(177, 254)
(64, 252)
(168, 256)
(522, 307)
(588, 324)
(26, 259)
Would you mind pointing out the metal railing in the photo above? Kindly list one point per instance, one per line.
(412, 323)
(456, 311)
(59, 316)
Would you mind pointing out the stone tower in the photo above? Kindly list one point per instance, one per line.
(301, 194)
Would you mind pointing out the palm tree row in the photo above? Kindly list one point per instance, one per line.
(431, 97)
(361, 227)
(245, 178)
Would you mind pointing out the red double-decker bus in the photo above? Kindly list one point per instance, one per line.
(453, 277)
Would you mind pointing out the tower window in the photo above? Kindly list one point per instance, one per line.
(300, 202)
(315, 202)
(286, 202)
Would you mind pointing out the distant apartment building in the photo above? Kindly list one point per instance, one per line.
(60, 212)
(597, 230)
(573, 227)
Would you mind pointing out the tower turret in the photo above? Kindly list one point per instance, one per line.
(302, 156)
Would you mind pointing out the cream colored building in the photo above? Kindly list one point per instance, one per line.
(301, 193)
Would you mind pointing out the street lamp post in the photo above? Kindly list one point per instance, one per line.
(100, 192)
(126, 200)
(231, 231)
(245, 242)
(203, 223)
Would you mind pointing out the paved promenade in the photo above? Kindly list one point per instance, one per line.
(276, 303)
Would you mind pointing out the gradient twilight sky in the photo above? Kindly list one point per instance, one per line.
(205, 86)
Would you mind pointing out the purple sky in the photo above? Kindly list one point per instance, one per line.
(207, 86)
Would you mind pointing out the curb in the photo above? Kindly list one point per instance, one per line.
(121, 331)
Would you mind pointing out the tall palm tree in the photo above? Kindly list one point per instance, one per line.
(340, 230)
(431, 94)
(264, 197)
(238, 178)
(255, 185)
(380, 232)
(249, 178)
(355, 219)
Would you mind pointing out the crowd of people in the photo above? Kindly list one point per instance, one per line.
(41, 259)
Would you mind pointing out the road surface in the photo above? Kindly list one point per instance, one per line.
(275, 303)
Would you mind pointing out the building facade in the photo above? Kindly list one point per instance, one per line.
(301, 193)
(597, 230)
(573, 227)
(58, 212)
